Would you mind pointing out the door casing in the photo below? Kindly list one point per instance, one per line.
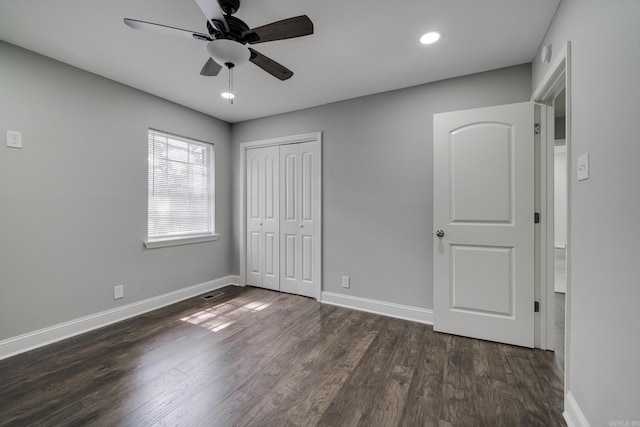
(557, 78)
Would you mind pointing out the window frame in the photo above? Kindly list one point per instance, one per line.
(190, 238)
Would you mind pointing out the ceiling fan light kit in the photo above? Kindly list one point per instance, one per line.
(225, 51)
(229, 36)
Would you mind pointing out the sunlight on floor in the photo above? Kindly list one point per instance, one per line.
(256, 306)
(221, 316)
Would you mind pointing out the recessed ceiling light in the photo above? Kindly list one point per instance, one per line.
(227, 95)
(430, 37)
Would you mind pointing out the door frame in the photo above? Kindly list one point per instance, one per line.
(557, 78)
(293, 139)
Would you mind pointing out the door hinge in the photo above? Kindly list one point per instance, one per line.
(536, 307)
(536, 128)
(536, 217)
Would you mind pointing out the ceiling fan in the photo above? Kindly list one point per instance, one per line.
(229, 36)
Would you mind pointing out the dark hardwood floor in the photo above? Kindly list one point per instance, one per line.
(253, 357)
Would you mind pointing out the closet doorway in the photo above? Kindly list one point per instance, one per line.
(280, 242)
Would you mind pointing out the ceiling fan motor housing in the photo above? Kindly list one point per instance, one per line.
(236, 28)
(229, 7)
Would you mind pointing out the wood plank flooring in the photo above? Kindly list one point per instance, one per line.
(253, 357)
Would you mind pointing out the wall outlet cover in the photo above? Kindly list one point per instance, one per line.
(345, 281)
(118, 291)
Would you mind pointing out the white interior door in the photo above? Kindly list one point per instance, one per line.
(299, 265)
(263, 217)
(483, 243)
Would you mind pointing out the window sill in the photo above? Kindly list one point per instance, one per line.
(153, 244)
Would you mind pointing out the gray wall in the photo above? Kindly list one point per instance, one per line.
(604, 242)
(377, 185)
(73, 201)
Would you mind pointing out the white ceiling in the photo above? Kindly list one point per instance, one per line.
(359, 47)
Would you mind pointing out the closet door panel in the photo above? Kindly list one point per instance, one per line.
(297, 175)
(263, 217)
(271, 217)
(254, 218)
(289, 223)
(309, 261)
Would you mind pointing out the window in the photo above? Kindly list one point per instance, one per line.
(181, 196)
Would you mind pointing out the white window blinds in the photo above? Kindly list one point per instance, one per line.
(181, 196)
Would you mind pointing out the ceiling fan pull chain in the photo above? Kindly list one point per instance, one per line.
(231, 83)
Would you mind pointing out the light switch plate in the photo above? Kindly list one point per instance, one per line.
(583, 167)
(14, 139)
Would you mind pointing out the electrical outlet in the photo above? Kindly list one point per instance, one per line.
(118, 291)
(346, 281)
(14, 139)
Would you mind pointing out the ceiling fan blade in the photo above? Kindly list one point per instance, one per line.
(211, 68)
(172, 31)
(286, 29)
(270, 66)
(212, 11)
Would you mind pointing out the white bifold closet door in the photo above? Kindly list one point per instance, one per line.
(298, 264)
(263, 218)
(282, 218)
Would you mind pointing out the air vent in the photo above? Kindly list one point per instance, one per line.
(212, 296)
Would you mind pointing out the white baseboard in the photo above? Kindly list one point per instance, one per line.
(31, 340)
(399, 311)
(572, 414)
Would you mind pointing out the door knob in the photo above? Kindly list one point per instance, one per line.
(301, 225)
(260, 223)
(440, 233)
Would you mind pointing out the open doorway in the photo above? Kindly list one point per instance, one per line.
(560, 223)
(554, 91)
